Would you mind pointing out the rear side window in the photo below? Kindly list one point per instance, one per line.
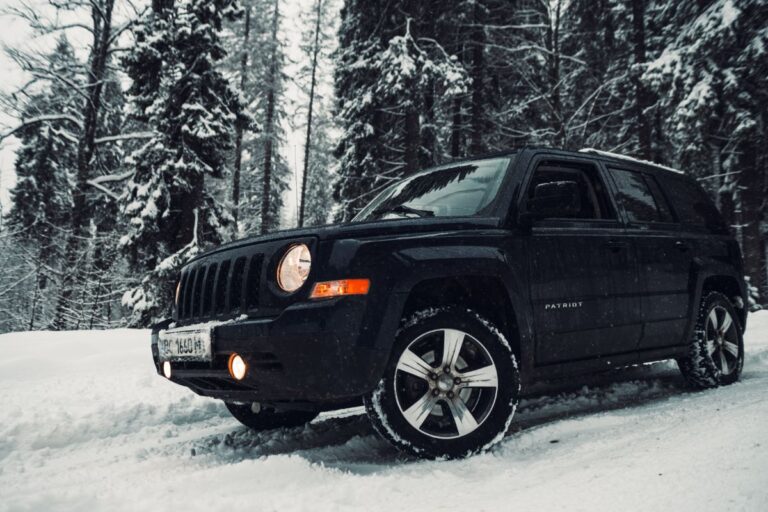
(634, 193)
(691, 204)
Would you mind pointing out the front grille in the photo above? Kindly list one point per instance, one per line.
(226, 287)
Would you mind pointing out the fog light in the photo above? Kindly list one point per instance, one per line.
(237, 367)
(167, 369)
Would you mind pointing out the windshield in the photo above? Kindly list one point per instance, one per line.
(457, 190)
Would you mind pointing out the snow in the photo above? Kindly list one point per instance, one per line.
(86, 424)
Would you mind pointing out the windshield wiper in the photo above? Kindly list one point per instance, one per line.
(406, 210)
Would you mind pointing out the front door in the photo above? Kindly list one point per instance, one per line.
(580, 264)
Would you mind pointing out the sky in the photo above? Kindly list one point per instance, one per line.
(15, 33)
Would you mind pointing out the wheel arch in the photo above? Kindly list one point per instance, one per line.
(716, 276)
(484, 294)
(728, 285)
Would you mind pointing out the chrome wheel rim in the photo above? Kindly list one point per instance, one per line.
(446, 383)
(722, 340)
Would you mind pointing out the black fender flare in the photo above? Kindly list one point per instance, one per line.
(421, 264)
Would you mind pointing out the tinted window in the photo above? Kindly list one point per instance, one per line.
(661, 201)
(691, 204)
(635, 196)
(464, 189)
(593, 200)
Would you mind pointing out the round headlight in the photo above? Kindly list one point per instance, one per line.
(294, 268)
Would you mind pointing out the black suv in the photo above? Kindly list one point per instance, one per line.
(457, 286)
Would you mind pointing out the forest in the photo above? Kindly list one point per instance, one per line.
(148, 132)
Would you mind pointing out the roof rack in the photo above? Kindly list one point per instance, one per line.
(628, 159)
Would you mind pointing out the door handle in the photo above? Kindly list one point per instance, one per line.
(616, 246)
(681, 246)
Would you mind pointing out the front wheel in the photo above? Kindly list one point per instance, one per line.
(258, 418)
(716, 352)
(450, 388)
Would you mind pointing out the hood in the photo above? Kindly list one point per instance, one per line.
(366, 229)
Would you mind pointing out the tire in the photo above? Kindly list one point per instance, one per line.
(716, 350)
(453, 409)
(268, 419)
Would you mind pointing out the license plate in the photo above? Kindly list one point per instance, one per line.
(184, 344)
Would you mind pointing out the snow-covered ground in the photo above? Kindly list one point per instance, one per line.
(85, 424)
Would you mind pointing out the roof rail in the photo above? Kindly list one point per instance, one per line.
(628, 159)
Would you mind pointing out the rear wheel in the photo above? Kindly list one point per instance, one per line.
(262, 418)
(451, 386)
(716, 351)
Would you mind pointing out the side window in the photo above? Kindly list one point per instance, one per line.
(560, 190)
(692, 205)
(634, 193)
(664, 209)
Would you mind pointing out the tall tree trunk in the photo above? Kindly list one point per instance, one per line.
(456, 127)
(101, 14)
(239, 128)
(412, 140)
(641, 94)
(315, 51)
(36, 294)
(270, 128)
(477, 74)
(553, 41)
(753, 188)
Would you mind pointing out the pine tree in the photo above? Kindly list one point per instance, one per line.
(315, 115)
(45, 164)
(180, 94)
(711, 80)
(262, 53)
(390, 70)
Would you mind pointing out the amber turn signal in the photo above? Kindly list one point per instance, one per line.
(341, 287)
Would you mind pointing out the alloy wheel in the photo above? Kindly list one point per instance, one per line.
(446, 383)
(722, 340)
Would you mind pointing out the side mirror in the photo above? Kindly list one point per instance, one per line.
(555, 199)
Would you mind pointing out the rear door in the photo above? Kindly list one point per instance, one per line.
(579, 267)
(664, 257)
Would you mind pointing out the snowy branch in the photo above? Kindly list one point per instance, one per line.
(124, 136)
(112, 178)
(42, 119)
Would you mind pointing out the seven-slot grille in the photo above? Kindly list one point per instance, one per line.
(220, 288)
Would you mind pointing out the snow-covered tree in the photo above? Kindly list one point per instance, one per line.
(45, 166)
(711, 79)
(256, 63)
(387, 81)
(191, 108)
(316, 116)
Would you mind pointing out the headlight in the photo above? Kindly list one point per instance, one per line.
(294, 268)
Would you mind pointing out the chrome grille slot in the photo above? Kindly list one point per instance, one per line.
(210, 279)
(253, 282)
(236, 285)
(197, 292)
(222, 283)
(182, 307)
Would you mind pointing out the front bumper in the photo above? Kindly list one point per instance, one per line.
(316, 352)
